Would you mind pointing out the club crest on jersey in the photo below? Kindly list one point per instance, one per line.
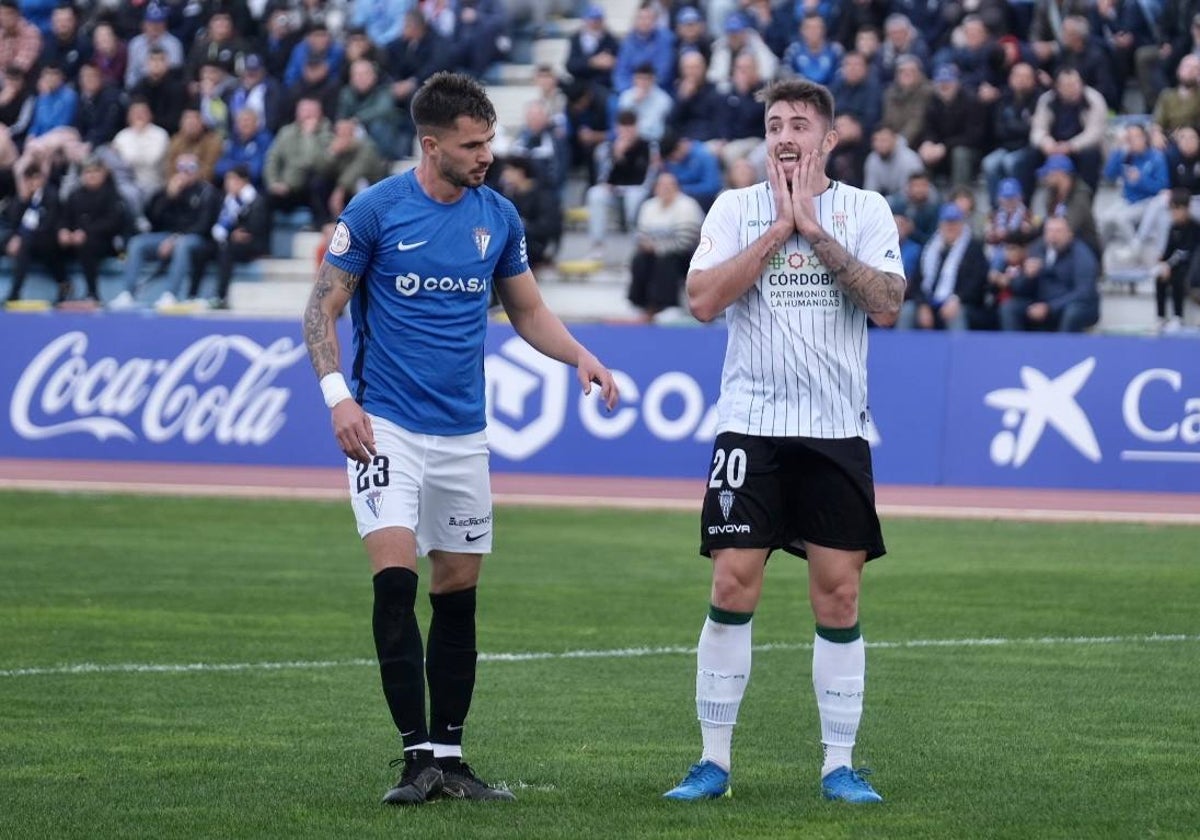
(339, 243)
(725, 497)
(839, 223)
(375, 502)
(483, 238)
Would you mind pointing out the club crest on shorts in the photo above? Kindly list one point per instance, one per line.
(725, 497)
(375, 502)
(483, 238)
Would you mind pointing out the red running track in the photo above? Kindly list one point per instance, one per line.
(591, 491)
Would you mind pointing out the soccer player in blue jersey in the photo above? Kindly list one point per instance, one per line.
(416, 257)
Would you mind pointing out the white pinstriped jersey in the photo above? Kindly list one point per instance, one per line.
(796, 358)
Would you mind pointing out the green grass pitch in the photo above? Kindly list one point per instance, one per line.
(1039, 734)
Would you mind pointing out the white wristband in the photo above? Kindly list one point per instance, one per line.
(334, 389)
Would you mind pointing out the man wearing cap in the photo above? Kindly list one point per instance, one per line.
(691, 33)
(1063, 193)
(646, 44)
(950, 288)
(955, 128)
(1057, 287)
(592, 54)
(181, 216)
(740, 37)
(154, 34)
(258, 92)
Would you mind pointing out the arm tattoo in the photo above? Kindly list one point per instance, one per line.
(872, 290)
(319, 332)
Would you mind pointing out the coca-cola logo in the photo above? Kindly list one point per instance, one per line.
(155, 400)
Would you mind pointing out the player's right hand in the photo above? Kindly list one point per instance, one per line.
(352, 428)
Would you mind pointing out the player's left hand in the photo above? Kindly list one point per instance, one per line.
(808, 175)
(590, 371)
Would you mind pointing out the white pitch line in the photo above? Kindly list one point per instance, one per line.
(536, 656)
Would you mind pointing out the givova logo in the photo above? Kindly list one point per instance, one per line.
(1043, 403)
(517, 428)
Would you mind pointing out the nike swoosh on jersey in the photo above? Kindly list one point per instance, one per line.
(474, 537)
(405, 246)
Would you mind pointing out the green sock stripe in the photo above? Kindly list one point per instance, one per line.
(721, 616)
(840, 635)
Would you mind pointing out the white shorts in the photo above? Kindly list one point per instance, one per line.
(437, 487)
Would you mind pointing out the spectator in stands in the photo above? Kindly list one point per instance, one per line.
(368, 100)
(1009, 220)
(740, 114)
(920, 203)
(1071, 120)
(412, 58)
(66, 45)
(697, 108)
(1123, 28)
(544, 144)
(55, 103)
(181, 216)
(278, 41)
(296, 158)
(240, 234)
(16, 106)
(317, 44)
(1063, 193)
(587, 122)
(1178, 35)
(358, 46)
(1057, 289)
(741, 173)
(856, 93)
(218, 44)
(646, 45)
(331, 14)
(246, 146)
(650, 102)
(382, 21)
(154, 35)
(551, 94)
(352, 163)
(910, 250)
(906, 101)
(142, 146)
(1183, 172)
(316, 83)
(1046, 30)
(163, 89)
(955, 128)
(858, 16)
(1178, 262)
(259, 92)
(593, 49)
(776, 23)
(979, 59)
(537, 204)
(212, 96)
(900, 39)
(197, 140)
(1011, 122)
(1180, 106)
(33, 220)
(1141, 172)
(668, 230)
(927, 17)
(475, 29)
(848, 157)
(20, 40)
(691, 33)
(99, 113)
(868, 43)
(1080, 51)
(740, 37)
(109, 55)
(94, 223)
(695, 168)
(949, 290)
(811, 55)
(890, 163)
(622, 179)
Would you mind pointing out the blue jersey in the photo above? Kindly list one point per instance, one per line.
(420, 309)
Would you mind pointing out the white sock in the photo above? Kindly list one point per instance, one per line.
(447, 750)
(839, 677)
(722, 671)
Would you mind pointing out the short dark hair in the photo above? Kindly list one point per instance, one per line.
(799, 91)
(242, 171)
(446, 96)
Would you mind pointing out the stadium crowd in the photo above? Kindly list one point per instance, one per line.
(173, 132)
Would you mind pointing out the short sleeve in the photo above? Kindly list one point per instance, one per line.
(514, 259)
(878, 238)
(356, 233)
(720, 235)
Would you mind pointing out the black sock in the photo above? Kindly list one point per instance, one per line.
(450, 664)
(398, 645)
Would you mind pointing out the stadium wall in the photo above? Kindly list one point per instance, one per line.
(973, 409)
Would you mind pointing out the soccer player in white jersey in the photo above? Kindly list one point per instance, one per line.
(416, 257)
(797, 264)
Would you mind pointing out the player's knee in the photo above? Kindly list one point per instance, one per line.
(836, 605)
(733, 590)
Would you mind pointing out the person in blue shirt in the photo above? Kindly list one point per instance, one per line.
(416, 257)
(694, 167)
(646, 43)
(55, 104)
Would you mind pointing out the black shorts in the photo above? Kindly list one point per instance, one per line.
(780, 492)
